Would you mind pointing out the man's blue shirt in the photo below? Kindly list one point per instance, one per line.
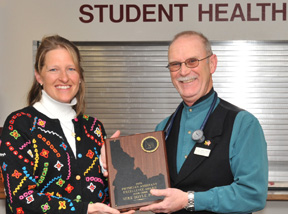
(248, 161)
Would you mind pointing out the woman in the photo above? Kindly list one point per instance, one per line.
(50, 149)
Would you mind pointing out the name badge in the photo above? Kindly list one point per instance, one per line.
(202, 152)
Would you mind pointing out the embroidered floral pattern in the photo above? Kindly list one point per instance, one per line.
(19, 210)
(91, 187)
(62, 205)
(64, 146)
(69, 188)
(58, 165)
(16, 174)
(60, 182)
(45, 207)
(97, 132)
(100, 194)
(44, 153)
(4, 165)
(30, 199)
(15, 134)
(41, 123)
(90, 154)
(86, 117)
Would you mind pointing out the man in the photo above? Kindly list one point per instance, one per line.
(224, 170)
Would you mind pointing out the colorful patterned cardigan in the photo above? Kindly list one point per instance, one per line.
(40, 171)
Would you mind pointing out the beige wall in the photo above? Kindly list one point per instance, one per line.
(25, 21)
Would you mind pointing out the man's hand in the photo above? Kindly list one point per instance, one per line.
(103, 155)
(174, 200)
(99, 208)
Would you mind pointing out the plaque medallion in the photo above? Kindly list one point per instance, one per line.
(150, 144)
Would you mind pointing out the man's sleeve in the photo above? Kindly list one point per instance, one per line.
(249, 165)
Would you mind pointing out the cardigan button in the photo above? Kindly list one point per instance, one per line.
(78, 177)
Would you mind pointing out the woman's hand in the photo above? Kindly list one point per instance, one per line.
(99, 208)
(103, 155)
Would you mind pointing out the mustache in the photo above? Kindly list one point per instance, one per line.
(182, 79)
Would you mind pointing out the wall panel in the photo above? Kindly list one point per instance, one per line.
(129, 88)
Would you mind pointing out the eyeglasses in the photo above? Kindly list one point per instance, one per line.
(190, 63)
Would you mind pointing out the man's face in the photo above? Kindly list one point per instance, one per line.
(191, 83)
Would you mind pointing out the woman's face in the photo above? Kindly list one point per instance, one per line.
(59, 76)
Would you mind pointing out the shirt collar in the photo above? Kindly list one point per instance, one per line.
(204, 101)
(54, 109)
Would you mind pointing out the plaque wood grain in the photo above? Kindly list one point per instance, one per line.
(136, 164)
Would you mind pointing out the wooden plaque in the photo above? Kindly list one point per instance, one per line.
(136, 164)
